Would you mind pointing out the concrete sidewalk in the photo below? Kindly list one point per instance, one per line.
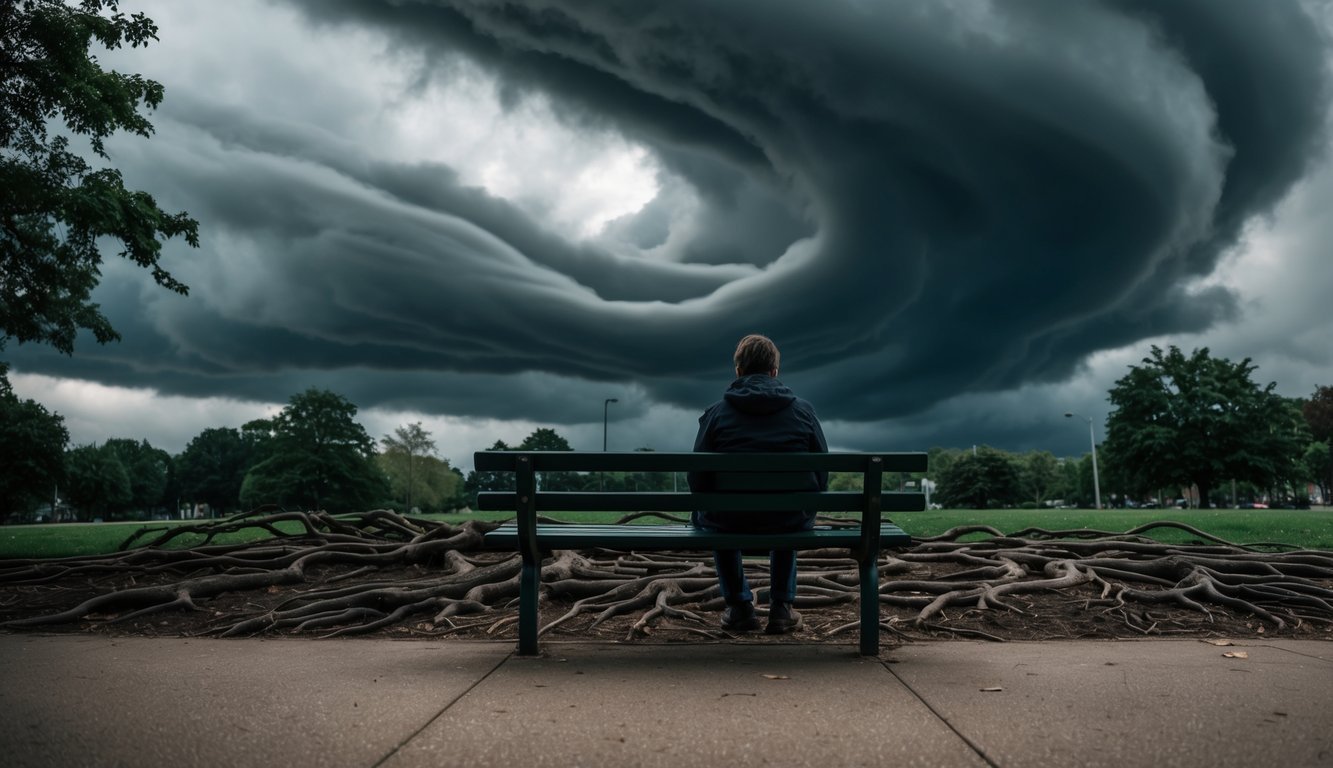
(97, 701)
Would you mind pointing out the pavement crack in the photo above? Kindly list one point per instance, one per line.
(981, 753)
(1294, 652)
(398, 747)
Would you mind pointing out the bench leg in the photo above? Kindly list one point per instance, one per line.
(869, 605)
(529, 583)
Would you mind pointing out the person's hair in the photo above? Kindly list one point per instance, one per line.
(756, 354)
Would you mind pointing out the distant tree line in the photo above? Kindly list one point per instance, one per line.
(311, 455)
(1184, 427)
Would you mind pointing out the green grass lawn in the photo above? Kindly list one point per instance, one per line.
(1304, 528)
(1309, 529)
(71, 539)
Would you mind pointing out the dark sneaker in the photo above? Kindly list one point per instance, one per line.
(740, 618)
(781, 619)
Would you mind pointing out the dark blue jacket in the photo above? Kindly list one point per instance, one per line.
(758, 414)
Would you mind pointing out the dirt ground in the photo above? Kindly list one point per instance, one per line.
(1064, 614)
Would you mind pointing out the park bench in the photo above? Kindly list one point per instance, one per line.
(745, 482)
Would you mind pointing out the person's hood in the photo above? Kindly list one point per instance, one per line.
(759, 394)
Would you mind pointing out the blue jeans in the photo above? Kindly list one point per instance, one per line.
(781, 570)
(736, 588)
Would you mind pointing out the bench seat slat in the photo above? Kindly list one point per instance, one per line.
(552, 536)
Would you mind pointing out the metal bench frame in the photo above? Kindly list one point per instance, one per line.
(748, 482)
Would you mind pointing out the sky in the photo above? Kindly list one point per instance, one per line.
(959, 220)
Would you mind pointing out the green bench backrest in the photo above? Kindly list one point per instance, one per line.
(769, 472)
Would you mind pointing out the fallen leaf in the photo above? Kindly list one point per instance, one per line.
(1218, 643)
(1260, 630)
(1236, 655)
(993, 689)
(777, 677)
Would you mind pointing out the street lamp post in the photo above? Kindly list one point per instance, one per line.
(1092, 438)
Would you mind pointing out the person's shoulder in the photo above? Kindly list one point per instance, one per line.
(712, 410)
(802, 404)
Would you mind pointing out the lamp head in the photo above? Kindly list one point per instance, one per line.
(1069, 415)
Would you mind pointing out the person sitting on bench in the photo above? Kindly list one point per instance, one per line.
(758, 414)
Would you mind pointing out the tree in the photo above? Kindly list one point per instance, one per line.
(32, 451)
(1038, 476)
(402, 450)
(1290, 435)
(442, 485)
(979, 480)
(213, 466)
(1318, 415)
(544, 439)
(96, 482)
(1317, 463)
(1198, 420)
(54, 206)
(478, 482)
(439, 487)
(148, 470)
(547, 439)
(316, 456)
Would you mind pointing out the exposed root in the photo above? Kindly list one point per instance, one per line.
(344, 575)
(963, 632)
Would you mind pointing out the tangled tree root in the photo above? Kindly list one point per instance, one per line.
(942, 584)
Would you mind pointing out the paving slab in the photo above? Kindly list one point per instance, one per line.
(1126, 704)
(687, 705)
(97, 701)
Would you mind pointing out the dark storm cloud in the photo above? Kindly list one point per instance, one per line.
(916, 200)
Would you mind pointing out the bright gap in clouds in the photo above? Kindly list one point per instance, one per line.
(409, 109)
(573, 179)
